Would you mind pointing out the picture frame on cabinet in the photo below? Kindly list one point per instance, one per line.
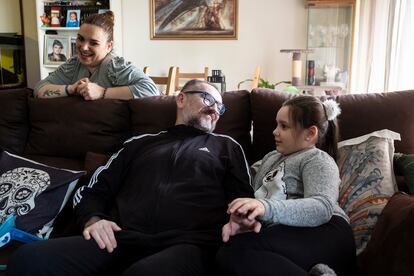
(72, 18)
(55, 17)
(73, 49)
(195, 20)
(103, 11)
(57, 49)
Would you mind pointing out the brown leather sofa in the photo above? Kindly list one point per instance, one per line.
(60, 132)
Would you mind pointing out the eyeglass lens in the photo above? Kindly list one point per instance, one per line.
(209, 100)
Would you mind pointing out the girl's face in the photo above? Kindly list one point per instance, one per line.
(92, 46)
(289, 136)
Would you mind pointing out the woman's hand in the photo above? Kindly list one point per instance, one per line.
(249, 207)
(102, 231)
(73, 88)
(89, 90)
(239, 224)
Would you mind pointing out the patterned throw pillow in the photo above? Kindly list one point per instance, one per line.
(367, 180)
(35, 193)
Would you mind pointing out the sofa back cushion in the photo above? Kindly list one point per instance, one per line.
(153, 114)
(14, 122)
(361, 114)
(70, 126)
(365, 113)
(236, 121)
(264, 105)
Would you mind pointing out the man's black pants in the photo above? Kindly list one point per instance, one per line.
(77, 256)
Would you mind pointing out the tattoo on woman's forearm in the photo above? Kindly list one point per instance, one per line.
(51, 93)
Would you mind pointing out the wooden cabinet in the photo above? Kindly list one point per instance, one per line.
(329, 3)
(59, 32)
(330, 31)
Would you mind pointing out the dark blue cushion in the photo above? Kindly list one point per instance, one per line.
(35, 193)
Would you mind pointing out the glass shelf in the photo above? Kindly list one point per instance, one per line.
(60, 28)
(329, 35)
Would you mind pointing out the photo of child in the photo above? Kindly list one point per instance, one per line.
(72, 18)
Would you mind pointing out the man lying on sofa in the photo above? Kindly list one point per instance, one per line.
(157, 206)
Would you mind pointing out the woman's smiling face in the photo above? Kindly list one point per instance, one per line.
(92, 45)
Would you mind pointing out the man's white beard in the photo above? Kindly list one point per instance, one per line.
(197, 123)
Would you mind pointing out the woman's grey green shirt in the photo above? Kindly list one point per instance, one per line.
(300, 189)
(113, 71)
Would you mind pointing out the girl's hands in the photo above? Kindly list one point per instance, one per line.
(239, 224)
(249, 207)
(243, 213)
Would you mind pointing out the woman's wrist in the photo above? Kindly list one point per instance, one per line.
(104, 93)
(67, 91)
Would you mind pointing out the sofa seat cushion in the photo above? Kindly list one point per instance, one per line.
(70, 126)
(14, 119)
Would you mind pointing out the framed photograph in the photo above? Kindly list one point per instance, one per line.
(73, 49)
(103, 11)
(72, 18)
(183, 19)
(55, 17)
(56, 49)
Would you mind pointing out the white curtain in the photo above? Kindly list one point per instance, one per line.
(383, 46)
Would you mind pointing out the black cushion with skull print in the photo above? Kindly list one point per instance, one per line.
(33, 192)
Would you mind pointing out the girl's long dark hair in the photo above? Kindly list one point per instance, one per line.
(307, 111)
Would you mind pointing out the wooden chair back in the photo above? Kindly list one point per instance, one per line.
(169, 80)
(256, 78)
(188, 76)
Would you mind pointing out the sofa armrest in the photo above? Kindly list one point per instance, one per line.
(389, 252)
(404, 171)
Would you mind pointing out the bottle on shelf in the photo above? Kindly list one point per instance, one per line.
(311, 72)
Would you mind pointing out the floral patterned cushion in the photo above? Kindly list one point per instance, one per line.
(367, 180)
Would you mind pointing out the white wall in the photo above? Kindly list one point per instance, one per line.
(10, 16)
(265, 27)
(31, 42)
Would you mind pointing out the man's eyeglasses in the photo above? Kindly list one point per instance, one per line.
(209, 100)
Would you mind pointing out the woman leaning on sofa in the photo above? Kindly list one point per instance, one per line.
(96, 72)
